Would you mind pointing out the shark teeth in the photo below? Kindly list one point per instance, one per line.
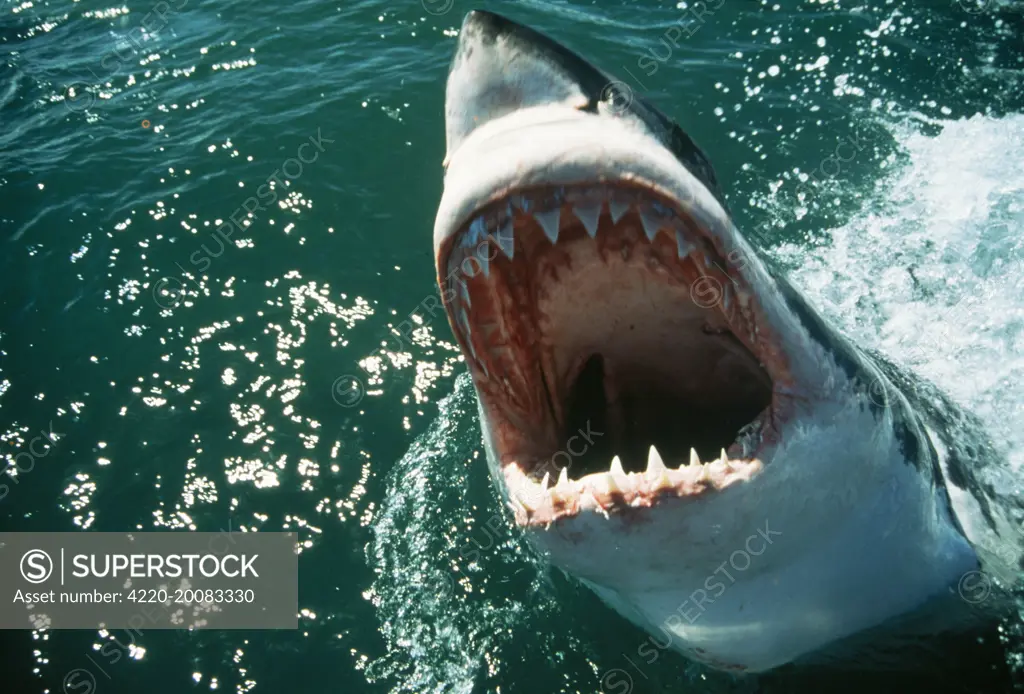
(589, 216)
(541, 503)
(563, 479)
(616, 468)
(505, 239)
(564, 490)
(726, 462)
(657, 473)
(650, 222)
(497, 229)
(685, 246)
(655, 465)
(549, 223)
(477, 232)
(705, 474)
(615, 481)
(617, 208)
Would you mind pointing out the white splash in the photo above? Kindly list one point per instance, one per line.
(932, 271)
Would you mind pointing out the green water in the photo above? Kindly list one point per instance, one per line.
(259, 384)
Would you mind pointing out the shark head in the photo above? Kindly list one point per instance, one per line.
(664, 414)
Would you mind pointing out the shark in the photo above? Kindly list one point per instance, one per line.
(666, 417)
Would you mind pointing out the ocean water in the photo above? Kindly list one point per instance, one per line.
(875, 148)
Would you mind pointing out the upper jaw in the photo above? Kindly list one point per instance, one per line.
(558, 146)
(554, 146)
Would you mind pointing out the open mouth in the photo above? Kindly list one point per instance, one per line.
(613, 347)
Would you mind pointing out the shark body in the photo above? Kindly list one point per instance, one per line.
(668, 418)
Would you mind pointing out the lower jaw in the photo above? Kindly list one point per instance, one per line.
(617, 492)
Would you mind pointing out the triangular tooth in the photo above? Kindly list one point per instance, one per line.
(617, 208)
(616, 468)
(705, 474)
(684, 246)
(725, 457)
(477, 232)
(655, 465)
(589, 216)
(549, 222)
(694, 458)
(505, 238)
(651, 223)
(563, 480)
(547, 478)
(657, 473)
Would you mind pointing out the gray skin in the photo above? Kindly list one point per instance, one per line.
(884, 496)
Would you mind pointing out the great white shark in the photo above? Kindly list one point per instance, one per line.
(667, 417)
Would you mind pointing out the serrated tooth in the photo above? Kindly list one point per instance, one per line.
(563, 480)
(684, 246)
(505, 239)
(655, 465)
(617, 208)
(657, 473)
(610, 484)
(549, 222)
(589, 216)
(477, 231)
(616, 468)
(650, 222)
